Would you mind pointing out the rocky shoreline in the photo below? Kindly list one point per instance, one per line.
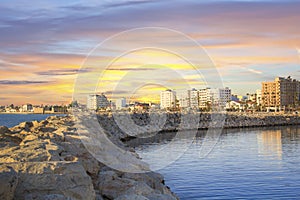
(47, 160)
(201, 121)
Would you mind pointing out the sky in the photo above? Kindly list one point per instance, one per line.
(54, 51)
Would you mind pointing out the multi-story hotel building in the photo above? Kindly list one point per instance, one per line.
(280, 93)
(167, 99)
(188, 98)
(120, 103)
(258, 97)
(184, 98)
(194, 98)
(95, 101)
(204, 97)
(214, 97)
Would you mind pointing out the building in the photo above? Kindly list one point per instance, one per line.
(184, 98)
(217, 97)
(27, 108)
(188, 98)
(38, 110)
(154, 106)
(194, 98)
(167, 99)
(204, 98)
(234, 97)
(141, 106)
(220, 96)
(258, 97)
(280, 94)
(252, 97)
(235, 106)
(120, 103)
(242, 98)
(95, 101)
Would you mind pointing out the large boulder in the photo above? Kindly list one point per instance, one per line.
(111, 185)
(152, 179)
(42, 180)
(131, 197)
(4, 129)
(8, 182)
(161, 197)
(7, 138)
(26, 126)
(140, 188)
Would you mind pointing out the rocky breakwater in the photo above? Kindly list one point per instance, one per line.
(47, 160)
(174, 121)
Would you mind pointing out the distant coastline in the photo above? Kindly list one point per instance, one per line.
(31, 113)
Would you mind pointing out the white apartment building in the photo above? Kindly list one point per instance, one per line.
(95, 101)
(258, 97)
(204, 97)
(214, 96)
(184, 98)
(194, 98)
(27, 108)
(120, 103)
(188, 98)
(167, 99)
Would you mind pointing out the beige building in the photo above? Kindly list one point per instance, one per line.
(281, 93)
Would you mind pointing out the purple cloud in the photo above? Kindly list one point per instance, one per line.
(23, 82)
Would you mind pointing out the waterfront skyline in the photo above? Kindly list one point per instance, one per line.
(43, 46)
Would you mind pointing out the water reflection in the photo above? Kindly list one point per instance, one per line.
(249, 163)
(273, 142)
(270, 144)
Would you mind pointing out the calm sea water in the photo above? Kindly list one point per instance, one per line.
(245, 164)
(11, 120)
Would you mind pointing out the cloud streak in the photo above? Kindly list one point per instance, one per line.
(23, 82)
(58, 72)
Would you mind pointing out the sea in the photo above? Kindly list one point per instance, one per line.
(257, 163)
(10, 120)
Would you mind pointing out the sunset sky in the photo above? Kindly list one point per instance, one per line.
(45, 43)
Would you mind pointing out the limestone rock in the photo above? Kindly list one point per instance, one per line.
(26, 126)
(47, 160)
(160, 197)
(140, 188)
(154, 180)
(4, 129)
(132, 197)
(8, 182)
(8, 140)
(67, 179)
(111, 185)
